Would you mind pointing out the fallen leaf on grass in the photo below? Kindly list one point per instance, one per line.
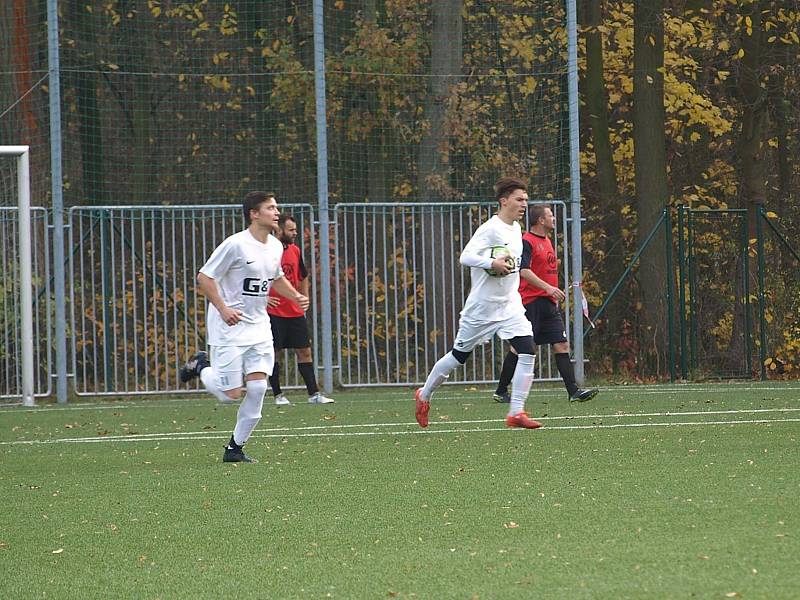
(59, 551)
(510, 525)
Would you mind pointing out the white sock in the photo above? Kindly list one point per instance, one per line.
(521, 383)
(439, 374)
(250, 410)
(209, 379)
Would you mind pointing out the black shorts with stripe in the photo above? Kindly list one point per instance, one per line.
(289, 332)
(547, 322)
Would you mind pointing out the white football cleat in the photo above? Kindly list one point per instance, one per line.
(319, 398)
(281, 400)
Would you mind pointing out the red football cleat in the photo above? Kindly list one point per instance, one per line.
(521, 420)
(423, 406)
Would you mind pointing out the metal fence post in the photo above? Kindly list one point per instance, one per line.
(682, 293)
(670, 291)
(762, 301)
(54, 93)
(322, 193)
(692, 296)
(746, 292)
(575, 189)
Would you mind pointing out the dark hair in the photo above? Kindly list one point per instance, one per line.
(285, 217)
(252, 201)
(536, 212)
(506, 185)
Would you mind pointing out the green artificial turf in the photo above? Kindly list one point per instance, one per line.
(645, 492)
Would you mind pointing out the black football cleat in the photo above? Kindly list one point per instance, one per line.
(503, 398)
(237, 455)
(193, 366)
(583, 395)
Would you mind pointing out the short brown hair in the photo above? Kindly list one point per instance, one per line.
(252, 201)
(285, 217)
(506, 185)
(536, 212)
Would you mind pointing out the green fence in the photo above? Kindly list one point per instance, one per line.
(733, 298)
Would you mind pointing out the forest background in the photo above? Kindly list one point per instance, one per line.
(684, 103)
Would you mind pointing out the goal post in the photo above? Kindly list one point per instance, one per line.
(25, 270)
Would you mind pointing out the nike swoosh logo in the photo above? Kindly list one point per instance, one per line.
(249, 262)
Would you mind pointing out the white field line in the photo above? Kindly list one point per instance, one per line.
(301, 432)
(394, 395)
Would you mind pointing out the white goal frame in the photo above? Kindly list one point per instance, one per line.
(25, 270)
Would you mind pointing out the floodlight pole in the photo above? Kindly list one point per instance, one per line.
(326, 294)
(25, 271)
(575, 190)
(56, 186)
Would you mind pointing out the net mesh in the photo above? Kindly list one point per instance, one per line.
(167, 102)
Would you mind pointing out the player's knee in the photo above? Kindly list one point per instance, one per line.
(256, 387)
(523, 345)
(303, 355)
(459, 355)
(234, 394)
(561, 347)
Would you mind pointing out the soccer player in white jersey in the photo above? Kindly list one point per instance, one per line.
(493, 306)
(236, 280)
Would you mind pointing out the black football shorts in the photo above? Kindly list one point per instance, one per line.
(547, 322)
(289, 332)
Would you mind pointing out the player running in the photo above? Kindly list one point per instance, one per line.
(493, 306)
(237, 279)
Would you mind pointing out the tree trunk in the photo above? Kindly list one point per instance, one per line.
(754, 114)
(596, 102)
(446, 64)
(23, 65)
(751, 141)
(651, 170)
(377, 150)
(89, 123)
(8, 124)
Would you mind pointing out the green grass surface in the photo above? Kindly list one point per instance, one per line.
(645, 492)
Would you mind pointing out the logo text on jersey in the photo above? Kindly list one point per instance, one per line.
(254, 286)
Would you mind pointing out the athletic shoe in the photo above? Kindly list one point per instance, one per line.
(320, 398)
(193, 366)
(503, 398)
(237, 455)
(583, 395)
(281, 400)
(423, 406)
(522, 420)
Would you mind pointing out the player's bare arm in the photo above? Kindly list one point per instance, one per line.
(535, 281)
(208, 287)
(282, 286)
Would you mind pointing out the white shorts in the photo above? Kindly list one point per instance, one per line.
(231, 363)
(472, 333)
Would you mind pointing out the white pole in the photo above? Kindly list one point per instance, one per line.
(25, 274)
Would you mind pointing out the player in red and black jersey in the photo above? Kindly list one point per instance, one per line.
(540, 293)
(288, 320)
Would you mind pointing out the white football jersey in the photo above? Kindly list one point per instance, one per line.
(243, 269)
(492, 298)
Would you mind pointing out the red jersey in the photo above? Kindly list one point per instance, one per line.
(295, 271)
(539, 256)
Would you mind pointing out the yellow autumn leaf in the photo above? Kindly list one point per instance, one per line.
(740, 54)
